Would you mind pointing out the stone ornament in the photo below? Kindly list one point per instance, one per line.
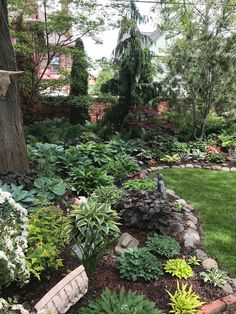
(66, 293)
(125, 242)
(5, 81)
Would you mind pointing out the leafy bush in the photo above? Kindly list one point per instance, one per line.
(13, 242)
(217, 158)
(163, 245)
(226, 140)
(46, 239)
(86, 179)
(217, 278)
(184, 300)
(107, 195)
(93, 226)
(138, 264)
(140, 185)
(193, 261)
(179, 268)
(197, 155)
(120, 303)
(121, 167)
(170, 158)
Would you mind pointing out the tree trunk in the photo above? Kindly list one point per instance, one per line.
(13, 153)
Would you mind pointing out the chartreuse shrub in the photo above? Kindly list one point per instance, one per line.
(217, 278)
(107, 195)
(94, 227)
(193, 261)
(138, 264)
(120, 303)
(179, 268)
(140, 185)
(13, 241)
(184, 300)
(163, 245)
(46, 239)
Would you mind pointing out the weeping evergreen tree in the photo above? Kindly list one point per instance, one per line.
(79, 84)
(134, 61)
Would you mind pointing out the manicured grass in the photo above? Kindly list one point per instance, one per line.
(213, 194)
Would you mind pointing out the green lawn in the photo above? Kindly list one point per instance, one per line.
(213, 194)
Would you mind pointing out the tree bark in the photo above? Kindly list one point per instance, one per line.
(13, 153)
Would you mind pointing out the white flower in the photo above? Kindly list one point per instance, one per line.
(19, 307)
(3, 255)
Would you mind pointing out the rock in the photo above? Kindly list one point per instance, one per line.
(228, 289)
(209, 263)
(189, 166)
(190, 207)
(125, 242)
(190, 224)
(177, 227)
(225, 168)
(233, 169)
(175, 167)
(171, 192)
(197, 166)
(200, 254)
(160, 167)
(154, 168)
(233, 281)
(215, 167)
(166, 167)
(191, 238)
(182, 166)
(192, 218)
(181, 202)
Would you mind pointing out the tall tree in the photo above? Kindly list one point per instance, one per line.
(13, 154)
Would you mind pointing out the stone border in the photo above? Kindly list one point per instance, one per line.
(223, 305)
(65, 293)
(193, 165)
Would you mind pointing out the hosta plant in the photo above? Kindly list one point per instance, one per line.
(122, 166)
(163, 245)
(140, 185)
(138, 264)
(193, 261)
(170, 158)
(184, 300)
(217, 278)
(94, 227)
(107, 195)
(179, 268)
(120, 303)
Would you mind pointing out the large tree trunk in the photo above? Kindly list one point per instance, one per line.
(13, 153)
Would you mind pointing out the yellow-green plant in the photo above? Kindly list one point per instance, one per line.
(178, 267)
(184, 300)
(193, 261)
(169, 158)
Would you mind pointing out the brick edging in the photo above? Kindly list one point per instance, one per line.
(222, 305)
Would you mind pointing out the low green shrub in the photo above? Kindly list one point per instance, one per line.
(217, 278)
(107, 195)
(120, 303)
(179, 268)
(122, 166)
(193, 261)
(184, 300)
(94, 227)
(138, 264)
(46, 240)
(216, 158)
(170, 158)
(140, 185)
(163, 245)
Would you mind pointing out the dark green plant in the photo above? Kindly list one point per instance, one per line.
(163, 245)
(138, 264)
(94, 227)
(120, 303)
(215, 277)
(179, 268)
(184, 300)
(140, 185)
(122, 166)
(217, 158)
(107, 195)
(46, 239)
(86, 179)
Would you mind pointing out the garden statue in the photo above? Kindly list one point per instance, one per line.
(160, 184)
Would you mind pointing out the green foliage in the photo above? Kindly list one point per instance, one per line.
(86, 179)
(226, 140)
(216, 158)
(193, 261)
(169, 158)
(120, 303)
(217, 278)
(46, 240)
(107, 195)
(140, 185)
(25, 198)
(122, 166)
(93, 226)
(138, 264)
(179, 268)
(47, 189)
(163, 245)
(184, 300)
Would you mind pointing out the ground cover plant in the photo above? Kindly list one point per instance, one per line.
(212, 193)
(163, 245)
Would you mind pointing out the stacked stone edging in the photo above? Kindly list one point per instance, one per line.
(193, 165)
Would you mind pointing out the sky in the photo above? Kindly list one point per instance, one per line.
(109, 37)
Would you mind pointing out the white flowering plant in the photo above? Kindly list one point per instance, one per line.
(13, 241)
(7, 307)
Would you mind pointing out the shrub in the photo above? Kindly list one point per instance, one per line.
(140, 185)
(184, 300)
(93, 226)
(217, 278)
(138, 264)
(121, 167)
(217, 158)
(107, 195)
(46, 239)
(179, 268)
(120, 303)
(13, 242)
(86, 179)
(163, 245)
(170, 158)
